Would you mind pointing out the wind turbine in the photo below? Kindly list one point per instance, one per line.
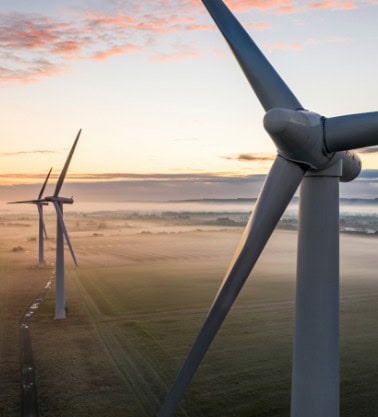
(312, 150)
(61, 230)
(39, 202)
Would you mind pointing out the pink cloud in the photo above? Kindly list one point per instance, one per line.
(284, 46)
(90, 36)
(176, 56)
(30, 74)
(258, 26)
(27, 35)
(313, 41)
(118, 50)
(28, 39)
(120, 21)
(278, 5)
(333, 5)
(66, 48)
(196, 26)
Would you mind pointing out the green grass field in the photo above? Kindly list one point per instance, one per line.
(247, 370)
(150, 321)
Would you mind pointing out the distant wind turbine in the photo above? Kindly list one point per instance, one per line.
(58, 201)
(39, 202)
(312, 150)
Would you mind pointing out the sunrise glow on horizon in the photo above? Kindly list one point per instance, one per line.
(155, 88)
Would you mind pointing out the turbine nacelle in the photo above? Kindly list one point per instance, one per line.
(300, 137)
(62, 200)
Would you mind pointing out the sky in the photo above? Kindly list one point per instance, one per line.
(156, 90)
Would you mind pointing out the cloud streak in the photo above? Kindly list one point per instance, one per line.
(370, 150)
(284, 46)
(127, 176)
(278, 6)
(35, 152)
(333, 5)
(177, 178)
(251, 157)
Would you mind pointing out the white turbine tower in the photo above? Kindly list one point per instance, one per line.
(58, 201)
(312, 150)
(42, 228)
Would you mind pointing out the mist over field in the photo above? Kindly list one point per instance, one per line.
(356, 215)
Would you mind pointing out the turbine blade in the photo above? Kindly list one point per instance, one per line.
(44, 185)
(280, 186)
(351, 132)
(21, 202)
(43, 223)
(63, 226)
(40, 212)
(269, 87)
(45, 231)
(27, 202)
(63, 174)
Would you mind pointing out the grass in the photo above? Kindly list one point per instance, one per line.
(147, 288)
(167, 312)
(249, 363)
(169, 286)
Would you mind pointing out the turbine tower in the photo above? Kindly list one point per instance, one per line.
(61, 230)
(312, 150)
(39, 202)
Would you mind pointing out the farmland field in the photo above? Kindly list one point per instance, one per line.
(136, 304)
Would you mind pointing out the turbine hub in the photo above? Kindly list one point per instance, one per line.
(299, 136)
